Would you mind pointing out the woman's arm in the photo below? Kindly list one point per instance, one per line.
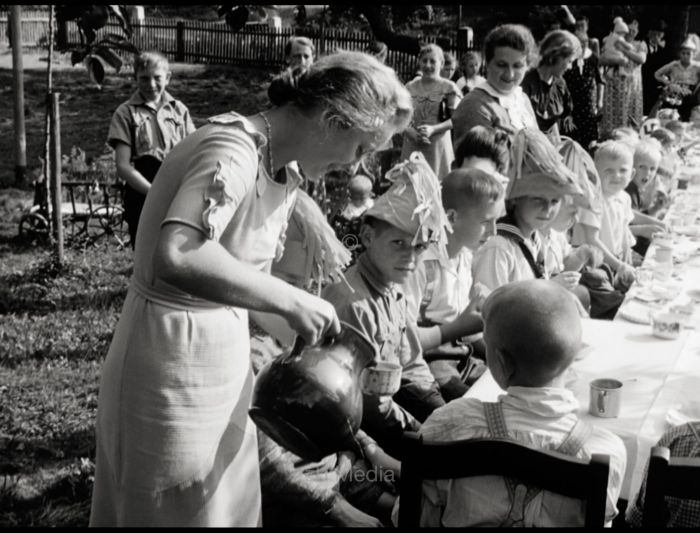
(186, 259)
(126, 171)
(638, 57)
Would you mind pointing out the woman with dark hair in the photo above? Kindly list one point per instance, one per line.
(484, 148)
(545, 84)
(175, 444)
(499, 101)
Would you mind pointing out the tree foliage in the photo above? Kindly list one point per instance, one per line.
(96, 54)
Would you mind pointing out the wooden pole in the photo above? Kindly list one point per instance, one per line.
(56, 178)
(47, 124)
(18, 82)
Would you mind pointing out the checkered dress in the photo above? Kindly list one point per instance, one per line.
(681, 513)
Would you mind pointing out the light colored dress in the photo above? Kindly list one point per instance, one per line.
(426, 105)
(175, 445)
(622, 100)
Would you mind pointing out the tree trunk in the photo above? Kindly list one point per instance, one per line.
(382, 31)
(18, 86)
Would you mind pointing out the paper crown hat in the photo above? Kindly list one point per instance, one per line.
(689, 43)
(582, 165)
(413, 203)
(537, 169)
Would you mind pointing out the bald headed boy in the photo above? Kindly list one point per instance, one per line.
(532, 332)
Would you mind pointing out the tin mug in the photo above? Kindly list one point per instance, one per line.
(605, 398)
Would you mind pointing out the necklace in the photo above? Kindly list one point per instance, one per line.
(270, 161)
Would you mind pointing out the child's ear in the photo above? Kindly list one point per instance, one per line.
(367, 235)
(634, 171)
(451, 215)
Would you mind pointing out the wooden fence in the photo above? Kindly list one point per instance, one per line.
(35, 28)
(193, 41)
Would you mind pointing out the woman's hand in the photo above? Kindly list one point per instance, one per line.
(426, 131)
(312, 318)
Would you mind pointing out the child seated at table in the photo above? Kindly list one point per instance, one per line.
(397, 229)
(539, 180)
(670, 160)
(682, 441)
(438, 292)
(647, 197)
(530, 363)
(609, 230)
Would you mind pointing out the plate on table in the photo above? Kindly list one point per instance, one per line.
(635, 312)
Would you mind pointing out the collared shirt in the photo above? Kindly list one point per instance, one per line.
(149, 130)
(540, 417)
(500, 260)
(483, 106)
(614, 224)
(682, 442)
(379, 311)
(445, 283)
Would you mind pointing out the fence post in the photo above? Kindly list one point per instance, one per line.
(180, 50)
(465, 40)
(56, 177)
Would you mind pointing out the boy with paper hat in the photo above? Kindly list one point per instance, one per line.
(441, 295)
(397, 229)
(539, 180)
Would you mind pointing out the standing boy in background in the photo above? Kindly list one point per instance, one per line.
(144, 129)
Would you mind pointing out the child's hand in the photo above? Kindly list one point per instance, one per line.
(625, 276)
(478, 294)
(568, 279)
(375, 454)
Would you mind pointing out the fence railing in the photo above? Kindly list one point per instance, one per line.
(214, 43)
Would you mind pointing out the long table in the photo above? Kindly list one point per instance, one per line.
(658, 375)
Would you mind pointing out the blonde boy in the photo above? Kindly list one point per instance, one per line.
(647, 196)
(144, 129)
(614, 161)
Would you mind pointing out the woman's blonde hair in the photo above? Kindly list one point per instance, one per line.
(558, 44)
(353, 89)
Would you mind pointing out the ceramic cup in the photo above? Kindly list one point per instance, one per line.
(663, 254)
(662, 240)
(666, 325)
(381, 379)
(605, 398)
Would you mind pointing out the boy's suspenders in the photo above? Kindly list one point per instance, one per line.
(537, 270)
(521, 495)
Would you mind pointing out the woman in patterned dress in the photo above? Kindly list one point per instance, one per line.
(623, 102)
(175, 444)
(429, 132)
(586, 87)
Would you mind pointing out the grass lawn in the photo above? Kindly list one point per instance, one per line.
(56, 326)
